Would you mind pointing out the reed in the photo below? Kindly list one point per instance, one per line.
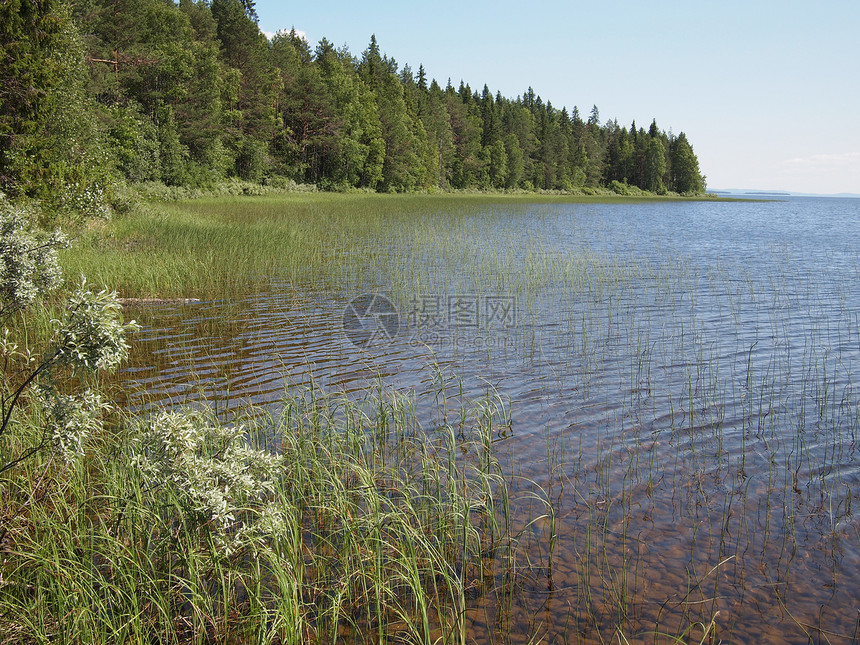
(695, 453)
(346, 520)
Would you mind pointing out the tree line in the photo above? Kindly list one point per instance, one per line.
(96, 91)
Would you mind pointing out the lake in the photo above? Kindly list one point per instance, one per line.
(681, 380)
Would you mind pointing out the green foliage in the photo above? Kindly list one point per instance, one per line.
(173, 155)
(619, 188)
(405, 164)
(134, 141)
(251, 160)
(497, 164)
(196, 533)
(91, 334)
(194, 93)
(28, 260)
(515, 161)
(207, 467)
(30, 74)
(50, 142)
(655, 166)
(88, 336)
(686, 178)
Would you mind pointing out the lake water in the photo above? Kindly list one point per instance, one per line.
(682, 379)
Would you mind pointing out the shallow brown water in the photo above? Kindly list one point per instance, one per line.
(687, 398)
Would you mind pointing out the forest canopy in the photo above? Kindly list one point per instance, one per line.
(95, 92)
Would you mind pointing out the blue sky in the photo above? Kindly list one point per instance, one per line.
(768, 92)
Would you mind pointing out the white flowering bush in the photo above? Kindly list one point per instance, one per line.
(211, 470)
(92, 335)
(85, 199)
(89, 336)
(28, 260)
(71, 419)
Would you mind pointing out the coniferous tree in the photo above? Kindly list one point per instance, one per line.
(408, 158)
(31, 76)
(515, 160)
(192, 92)
(252, 99)
(434, 116)
(356, 151)
(655, 165)
(686, 177)
(49, 141)
(307, 116)
(595, 149)
(468, 163)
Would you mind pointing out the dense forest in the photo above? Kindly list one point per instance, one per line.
(95, 92)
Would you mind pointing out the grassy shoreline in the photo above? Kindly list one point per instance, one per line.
(341, 520)
(387, 524)
(213, 247)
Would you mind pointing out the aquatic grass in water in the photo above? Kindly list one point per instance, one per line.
(679, 448)
(339, 520)
(212, 248)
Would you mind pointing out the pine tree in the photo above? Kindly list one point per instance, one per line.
(655, 165)
(686, 177)
(49, 141)
(245, 49)
(306, 112)
(437, 124)
(594, 118)
(490, 125)
(468, 164)
(409, 162)
(191, 92)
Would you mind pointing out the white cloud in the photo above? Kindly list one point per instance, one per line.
(825, 161)
(301, 34)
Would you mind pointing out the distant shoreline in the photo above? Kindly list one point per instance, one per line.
(736, 192)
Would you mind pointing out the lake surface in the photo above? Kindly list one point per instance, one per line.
(682, 381)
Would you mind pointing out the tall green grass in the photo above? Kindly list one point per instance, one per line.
(219, 247)
(375, 529)
(718, 478)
